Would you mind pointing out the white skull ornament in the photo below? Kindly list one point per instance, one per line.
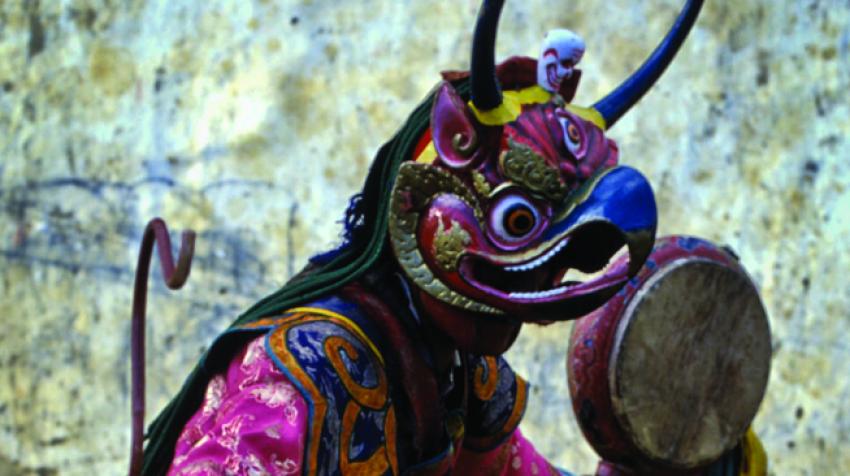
(562, 50)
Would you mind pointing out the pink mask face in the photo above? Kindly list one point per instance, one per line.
(495, 222)
(561, 52)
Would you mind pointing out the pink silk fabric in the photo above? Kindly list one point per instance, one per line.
(253, 422)
(514, 457)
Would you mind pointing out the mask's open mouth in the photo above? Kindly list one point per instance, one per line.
(578, 264)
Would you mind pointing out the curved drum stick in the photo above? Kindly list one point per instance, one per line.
(155, 232)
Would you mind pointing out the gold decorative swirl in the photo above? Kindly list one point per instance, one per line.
(415, 186)
(485, 385)
(480, 183)
(449, 245)
(377, 463)
(373, 398)
(523, 166)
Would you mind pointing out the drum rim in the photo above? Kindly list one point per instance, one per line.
(620, 332)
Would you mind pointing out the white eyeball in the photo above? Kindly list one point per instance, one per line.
(513, 219)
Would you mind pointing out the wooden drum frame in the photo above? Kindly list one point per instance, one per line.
(668, 375)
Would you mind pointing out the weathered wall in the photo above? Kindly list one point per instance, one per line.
(252, 122)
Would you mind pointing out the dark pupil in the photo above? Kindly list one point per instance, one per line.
(519, 220)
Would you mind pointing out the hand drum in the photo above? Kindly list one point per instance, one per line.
(670, 372)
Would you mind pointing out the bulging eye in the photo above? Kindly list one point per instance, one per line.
(572, 137)
(514, 219)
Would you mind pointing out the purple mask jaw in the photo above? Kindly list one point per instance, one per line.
(546, 279)
(584, 257)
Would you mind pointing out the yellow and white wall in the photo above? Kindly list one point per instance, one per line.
(253, 121)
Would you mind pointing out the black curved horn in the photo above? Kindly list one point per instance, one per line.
(617, 102)
(486, 93)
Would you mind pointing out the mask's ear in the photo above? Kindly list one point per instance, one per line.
(454, 130)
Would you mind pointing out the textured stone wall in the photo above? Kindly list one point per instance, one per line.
(252, 122)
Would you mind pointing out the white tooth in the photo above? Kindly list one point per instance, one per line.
(538, 261)
(536, 294)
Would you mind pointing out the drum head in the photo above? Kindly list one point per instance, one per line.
(690, 362)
